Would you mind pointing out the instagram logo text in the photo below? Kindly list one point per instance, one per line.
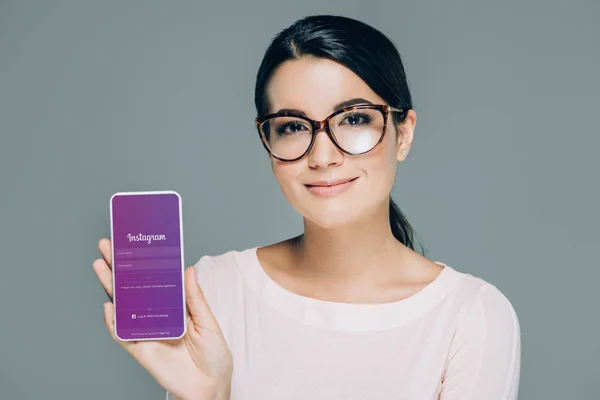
(145, 238)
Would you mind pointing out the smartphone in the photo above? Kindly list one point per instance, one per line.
(148, 265)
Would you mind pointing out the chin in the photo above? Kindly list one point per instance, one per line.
(330, 219)
(333, 212)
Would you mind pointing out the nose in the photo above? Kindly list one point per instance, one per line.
(324, 152)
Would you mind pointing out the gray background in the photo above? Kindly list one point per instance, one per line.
(106, 96)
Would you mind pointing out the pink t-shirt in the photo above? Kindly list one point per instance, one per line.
(456, 339)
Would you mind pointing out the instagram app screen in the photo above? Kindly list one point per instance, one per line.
(148, 265)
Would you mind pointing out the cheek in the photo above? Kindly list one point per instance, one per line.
(381, 164)
(391, 142)
(285, 174)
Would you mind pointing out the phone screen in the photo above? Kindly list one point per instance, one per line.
(148, 265)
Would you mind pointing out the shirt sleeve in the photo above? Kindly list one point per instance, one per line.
(485, 355)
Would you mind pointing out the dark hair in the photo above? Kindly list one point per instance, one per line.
(357, 46)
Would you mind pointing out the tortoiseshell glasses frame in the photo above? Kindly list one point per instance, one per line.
(324, 124)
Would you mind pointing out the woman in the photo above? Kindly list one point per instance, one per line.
(348, 309)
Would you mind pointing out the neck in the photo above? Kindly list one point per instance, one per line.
(354, 252)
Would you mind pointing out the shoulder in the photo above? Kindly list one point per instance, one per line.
(487, 299)
(211, 268)
(483, 308)
(219, 274)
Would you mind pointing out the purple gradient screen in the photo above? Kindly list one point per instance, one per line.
(147, 266)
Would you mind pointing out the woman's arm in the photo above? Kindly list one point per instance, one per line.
(205, 276)
(485, 355)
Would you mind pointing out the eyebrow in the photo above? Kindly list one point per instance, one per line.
(337, 107)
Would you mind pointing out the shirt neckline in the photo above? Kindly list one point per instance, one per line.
(350, 317)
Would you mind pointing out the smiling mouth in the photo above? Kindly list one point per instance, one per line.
(325, 184)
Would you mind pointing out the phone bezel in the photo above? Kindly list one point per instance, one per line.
(182, 262)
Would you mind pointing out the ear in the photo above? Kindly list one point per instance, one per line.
(406, 131)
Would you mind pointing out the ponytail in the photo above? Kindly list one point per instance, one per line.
(401, 228)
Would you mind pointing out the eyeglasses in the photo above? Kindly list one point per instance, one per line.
(355, 130)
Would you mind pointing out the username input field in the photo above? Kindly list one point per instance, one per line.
(147, 252)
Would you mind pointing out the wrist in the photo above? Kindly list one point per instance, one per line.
(220, 391)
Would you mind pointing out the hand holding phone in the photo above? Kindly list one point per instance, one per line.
(194, 365)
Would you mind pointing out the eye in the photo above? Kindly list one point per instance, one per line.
(357, 119)
(290, 128)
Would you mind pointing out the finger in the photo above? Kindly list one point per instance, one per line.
(202, 316)
(109, 320)
(105, 249)
(104, 275)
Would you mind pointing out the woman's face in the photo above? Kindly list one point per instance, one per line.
(315, 86)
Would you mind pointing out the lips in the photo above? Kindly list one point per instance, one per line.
(330, 182)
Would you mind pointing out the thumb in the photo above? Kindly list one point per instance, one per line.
(202, 316)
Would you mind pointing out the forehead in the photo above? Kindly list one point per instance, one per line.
(315, 86)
